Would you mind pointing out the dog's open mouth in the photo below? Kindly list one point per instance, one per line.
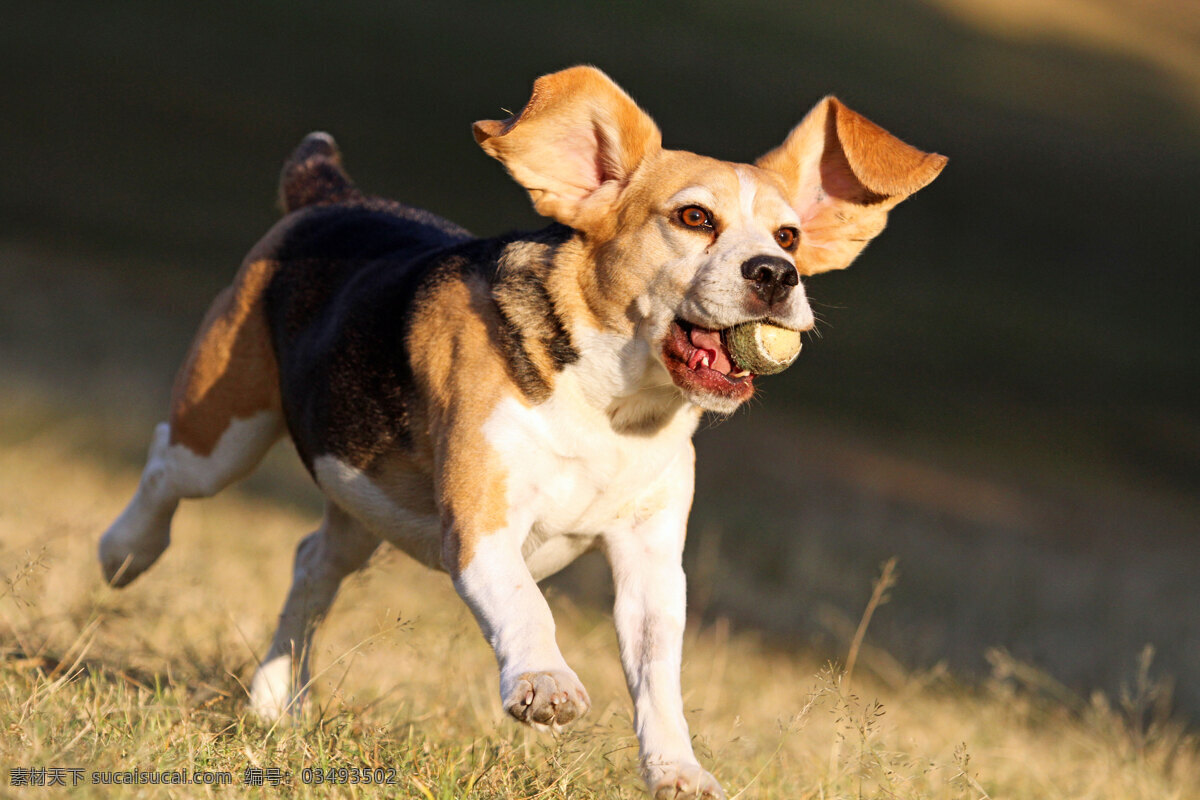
(700, 363)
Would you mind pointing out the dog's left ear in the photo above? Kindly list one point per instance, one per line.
(843, 173)
(574, 146)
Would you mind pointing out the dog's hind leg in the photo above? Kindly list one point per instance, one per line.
(339, 547)
(225, 415)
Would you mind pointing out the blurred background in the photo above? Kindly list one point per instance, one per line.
(1005, 391)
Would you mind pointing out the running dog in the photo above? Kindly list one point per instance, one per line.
(496, 407)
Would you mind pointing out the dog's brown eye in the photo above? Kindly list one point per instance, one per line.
(695, 217)
(786, 237)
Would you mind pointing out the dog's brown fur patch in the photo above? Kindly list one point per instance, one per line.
(456, 363)
(230, 371)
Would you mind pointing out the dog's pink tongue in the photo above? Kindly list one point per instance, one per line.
(709, 343)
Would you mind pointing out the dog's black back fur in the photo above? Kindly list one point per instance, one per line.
(350, 269)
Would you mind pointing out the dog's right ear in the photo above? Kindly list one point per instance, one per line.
(574, 146)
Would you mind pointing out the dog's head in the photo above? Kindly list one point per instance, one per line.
(680, 247)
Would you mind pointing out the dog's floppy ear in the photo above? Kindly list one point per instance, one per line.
(843, 173)
(574, 145)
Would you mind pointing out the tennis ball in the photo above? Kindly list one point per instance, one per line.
(762, 348)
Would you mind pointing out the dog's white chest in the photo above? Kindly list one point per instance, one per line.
(569, 474)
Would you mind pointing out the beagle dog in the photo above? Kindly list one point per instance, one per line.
(496, 407)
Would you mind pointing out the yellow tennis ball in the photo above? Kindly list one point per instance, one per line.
(762, 348)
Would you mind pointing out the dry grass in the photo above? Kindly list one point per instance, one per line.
(152, 677)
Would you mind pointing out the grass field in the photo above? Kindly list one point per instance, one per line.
(152, 678)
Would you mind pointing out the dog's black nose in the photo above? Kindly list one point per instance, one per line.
(773, 277)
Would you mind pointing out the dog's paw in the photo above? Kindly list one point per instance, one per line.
(140, 535)
(133, 543)
(682, 782)
(273, 693)
(547, 699)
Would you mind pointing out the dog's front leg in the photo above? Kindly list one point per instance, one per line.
(650, 612)
(536, 685)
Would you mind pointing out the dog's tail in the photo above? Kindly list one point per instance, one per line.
(313, 175)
